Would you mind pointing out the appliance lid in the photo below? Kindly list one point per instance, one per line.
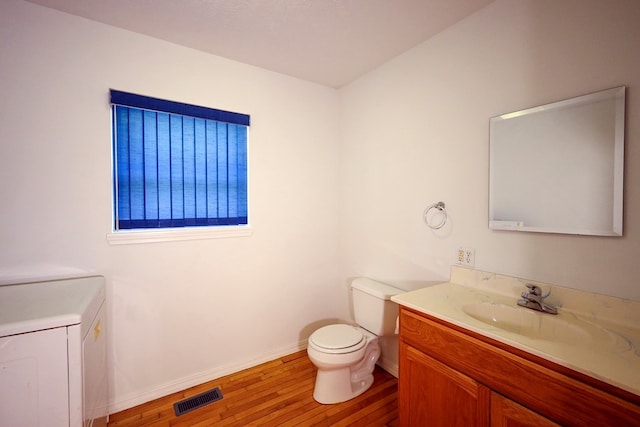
(335, 337)
(30, 307)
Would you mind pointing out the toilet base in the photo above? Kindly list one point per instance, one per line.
(335, 386)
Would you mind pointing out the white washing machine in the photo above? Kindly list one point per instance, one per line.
(53, 358)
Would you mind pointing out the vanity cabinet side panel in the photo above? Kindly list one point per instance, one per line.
(433, 394)
(558, 397)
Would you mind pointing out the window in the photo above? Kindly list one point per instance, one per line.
(177, 165)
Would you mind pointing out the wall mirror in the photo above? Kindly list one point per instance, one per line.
(558, 168)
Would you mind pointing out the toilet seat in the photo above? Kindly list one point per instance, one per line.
(338, 339)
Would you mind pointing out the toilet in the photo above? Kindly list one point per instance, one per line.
(346, 355)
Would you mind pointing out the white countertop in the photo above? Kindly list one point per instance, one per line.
(51, 304)
(610, 354)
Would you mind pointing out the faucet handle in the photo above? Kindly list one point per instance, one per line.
(534, 289)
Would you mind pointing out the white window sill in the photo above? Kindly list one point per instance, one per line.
(130, 237)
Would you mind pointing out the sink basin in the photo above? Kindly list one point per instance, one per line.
(536, 325)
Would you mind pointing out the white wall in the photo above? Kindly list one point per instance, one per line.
(179, 312)
(415, 131)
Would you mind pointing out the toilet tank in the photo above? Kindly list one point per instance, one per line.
(372, 306)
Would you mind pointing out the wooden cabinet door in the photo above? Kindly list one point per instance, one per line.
(432, 394)
(507, 413)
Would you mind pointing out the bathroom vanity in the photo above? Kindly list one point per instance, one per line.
(469, 356)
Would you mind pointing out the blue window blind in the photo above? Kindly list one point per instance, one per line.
(177, 165)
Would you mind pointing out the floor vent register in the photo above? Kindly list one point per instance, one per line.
(197, 401)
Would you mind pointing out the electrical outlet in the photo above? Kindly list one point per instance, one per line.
(466, 256)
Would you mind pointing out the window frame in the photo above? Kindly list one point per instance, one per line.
(180, 233)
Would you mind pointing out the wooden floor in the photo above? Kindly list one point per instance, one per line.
(276, 393)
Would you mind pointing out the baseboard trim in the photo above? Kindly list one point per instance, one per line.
(126, 402)
(390, 367)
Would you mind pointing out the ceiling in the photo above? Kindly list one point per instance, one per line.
(330, 42)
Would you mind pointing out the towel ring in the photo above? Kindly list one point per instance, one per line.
(439, 207)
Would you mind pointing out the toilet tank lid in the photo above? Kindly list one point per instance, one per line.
(377, 289)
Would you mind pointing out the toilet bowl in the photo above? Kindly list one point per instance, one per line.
(346, 355)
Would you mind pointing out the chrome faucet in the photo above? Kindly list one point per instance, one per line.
(535, 300)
